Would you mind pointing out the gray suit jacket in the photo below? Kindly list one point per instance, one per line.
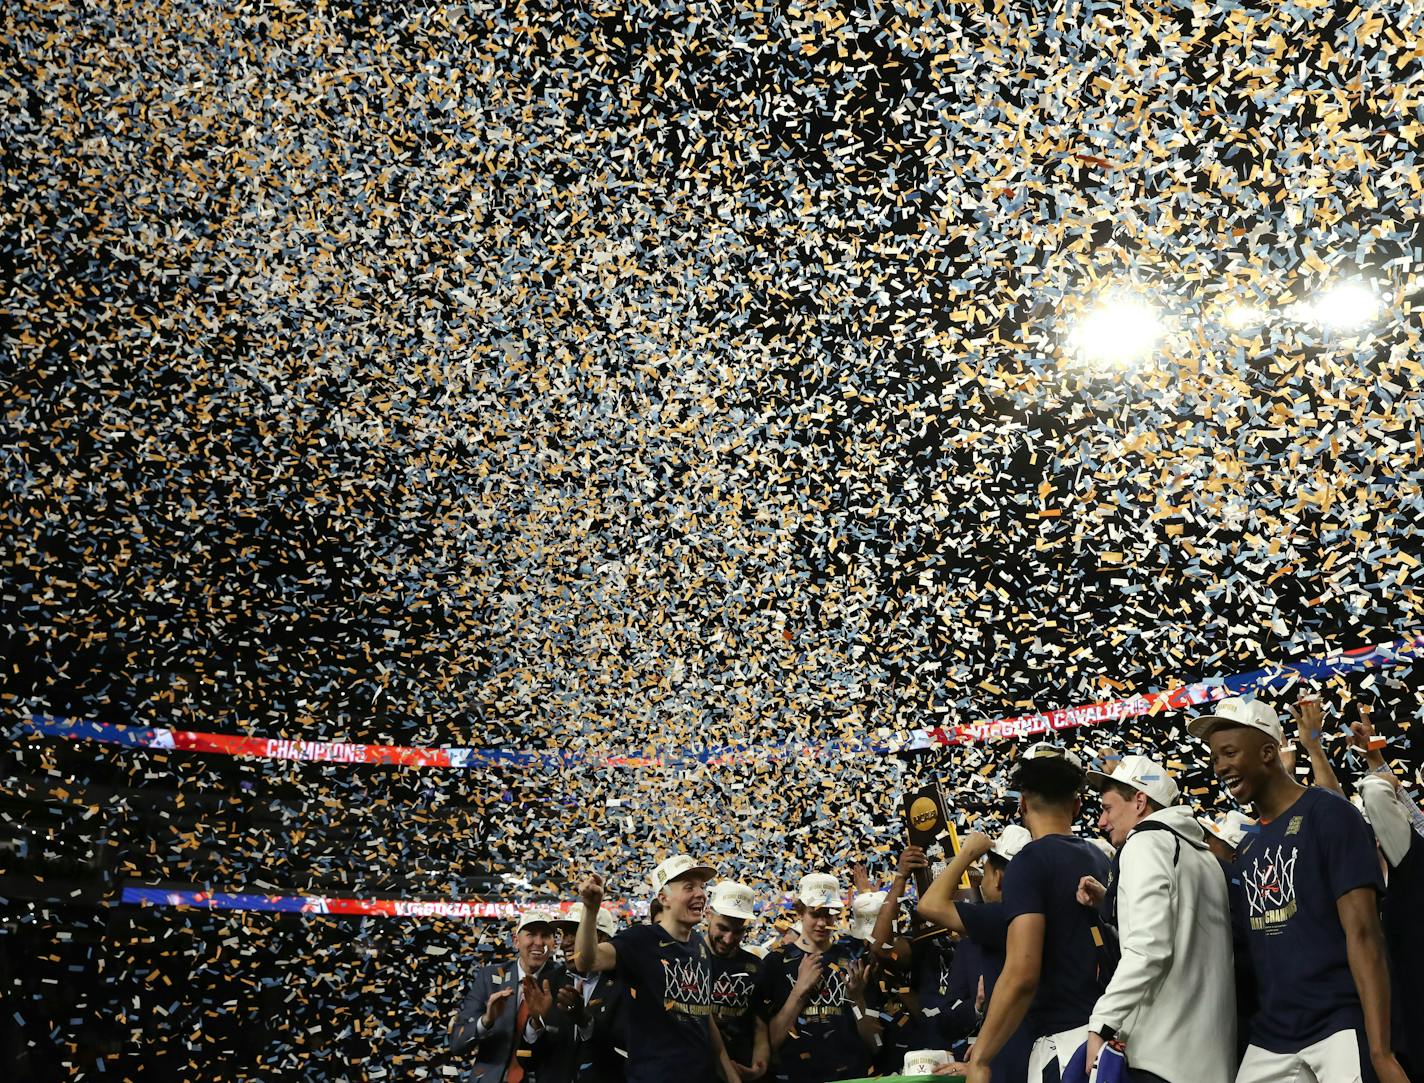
(551, 1056)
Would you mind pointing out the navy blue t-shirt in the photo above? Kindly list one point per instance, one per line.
(971, 962)
(1293, 870)
(824, 1042)
(736, 1001)
(987, 929)
(987, 925)
(669, 1005)
(1404, 935)
(1043, 879)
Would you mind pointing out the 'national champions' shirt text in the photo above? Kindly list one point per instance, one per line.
(669, 1005)
(1293, 871)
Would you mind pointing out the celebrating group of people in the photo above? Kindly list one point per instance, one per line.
(1177, 949)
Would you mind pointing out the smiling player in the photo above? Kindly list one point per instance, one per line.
(668, 970)
(1312, 883)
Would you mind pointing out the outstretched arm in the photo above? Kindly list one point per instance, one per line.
(589, 954)
(938, 904)
(1381, 792)
(1310, 718)
(882, 938)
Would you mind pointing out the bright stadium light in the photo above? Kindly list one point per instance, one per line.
(1345, 307)
(1242, 317)
(1118, 331)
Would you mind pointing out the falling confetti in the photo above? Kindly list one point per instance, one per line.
(636, 380)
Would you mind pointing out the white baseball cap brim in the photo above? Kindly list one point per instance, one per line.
(1046, 750)
(864, 910)
(1253, 714)
(819, 890)
(1231, 828)
(536, 916)
(1011, 840)
(677, 867)
(732, 900)
(604, 921)
(1140, 773)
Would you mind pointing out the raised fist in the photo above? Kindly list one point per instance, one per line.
(591, 891)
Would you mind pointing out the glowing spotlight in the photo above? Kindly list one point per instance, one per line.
(1244, 317)
(1118, 331)
(1345, 307)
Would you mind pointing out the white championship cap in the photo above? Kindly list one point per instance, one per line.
(1239, 712)
(1231, 828)
(536, 915)
(606, 924)
(1011, 840)
(925, 1061)
(1047, 751)
(732, 900)
(676, 867)
(864, 909)
(1141, 773)
(818, 889)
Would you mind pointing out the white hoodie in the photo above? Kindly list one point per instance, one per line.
(1172, 999)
